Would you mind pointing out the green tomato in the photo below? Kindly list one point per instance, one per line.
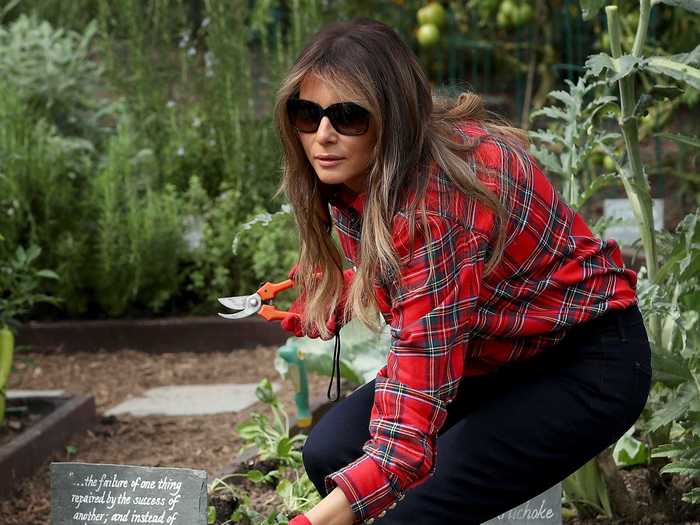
(501, 19)
(609, 164)
(421, 16)
(433, 13)
(523, 14)
(508, 8)
(428, 35)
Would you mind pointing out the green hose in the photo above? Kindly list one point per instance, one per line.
(297, 373)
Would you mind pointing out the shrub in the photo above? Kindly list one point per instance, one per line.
(138, 240)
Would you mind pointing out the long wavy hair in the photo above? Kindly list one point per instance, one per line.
(369, 64)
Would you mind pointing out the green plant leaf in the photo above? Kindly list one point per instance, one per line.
(20, 256)
(667, 450)
(674, 69)
(9, 7)
(284, 445)
(690, 5)
(546, 136)
(590, 8)
(255, 476)
(47, 274)
(265, 393)
(550, 162)
(692, 497)
(680, 139)
(685, 398)
(587, 486)
(670, 369)
(564, 97)
(32, 253)
(621, 67)
(687, 237)
(629, 451)
(692, 58)
(248, 429)
(551, 112)
(284, 489)
(666, 91)
(211, 515)
(685, 468)
(684, 449)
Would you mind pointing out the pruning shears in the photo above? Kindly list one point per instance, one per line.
(256, 303)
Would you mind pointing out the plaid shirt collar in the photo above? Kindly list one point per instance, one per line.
(340, 196)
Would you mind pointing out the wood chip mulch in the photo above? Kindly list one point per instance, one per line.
(198, 442)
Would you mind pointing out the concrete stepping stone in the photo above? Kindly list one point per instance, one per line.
(25, 394)
(191, 400)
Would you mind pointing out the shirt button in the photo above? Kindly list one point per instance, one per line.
(382, 514)
(369, 521)
(392, 506)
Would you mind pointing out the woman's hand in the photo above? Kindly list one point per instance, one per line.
(334, 509)
(292, 322)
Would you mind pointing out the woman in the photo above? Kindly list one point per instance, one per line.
(517, 352)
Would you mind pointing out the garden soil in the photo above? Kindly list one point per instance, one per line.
(199, 442)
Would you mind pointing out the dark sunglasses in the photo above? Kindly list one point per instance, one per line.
(347, 118)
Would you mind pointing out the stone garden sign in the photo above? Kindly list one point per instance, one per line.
(103, 494)
(544, 509)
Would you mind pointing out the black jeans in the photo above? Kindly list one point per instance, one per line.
(511, 434)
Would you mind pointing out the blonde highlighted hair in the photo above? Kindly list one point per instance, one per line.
(368, 63)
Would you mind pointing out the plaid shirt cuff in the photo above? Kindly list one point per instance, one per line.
(367, 487)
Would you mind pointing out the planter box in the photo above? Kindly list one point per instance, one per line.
(65, 415)
(174, 334)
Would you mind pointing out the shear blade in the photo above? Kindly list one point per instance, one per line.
(239, 315)
(234, 303)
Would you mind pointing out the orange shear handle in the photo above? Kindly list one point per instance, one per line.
(266, 292)
(271, 313)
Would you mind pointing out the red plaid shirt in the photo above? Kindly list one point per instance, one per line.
(448, 321)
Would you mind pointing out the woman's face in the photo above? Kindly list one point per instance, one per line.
(354, 151)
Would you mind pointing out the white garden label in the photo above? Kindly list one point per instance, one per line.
(544, 509)
(627, 231)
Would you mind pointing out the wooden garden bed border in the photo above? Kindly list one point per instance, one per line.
(172, 334)
(72, 414)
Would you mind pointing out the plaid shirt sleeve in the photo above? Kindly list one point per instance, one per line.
(432, 305)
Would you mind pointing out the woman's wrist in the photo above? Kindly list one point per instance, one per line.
(334, 509)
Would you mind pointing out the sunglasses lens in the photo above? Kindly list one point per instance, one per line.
(349, 119)
(304, 115)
